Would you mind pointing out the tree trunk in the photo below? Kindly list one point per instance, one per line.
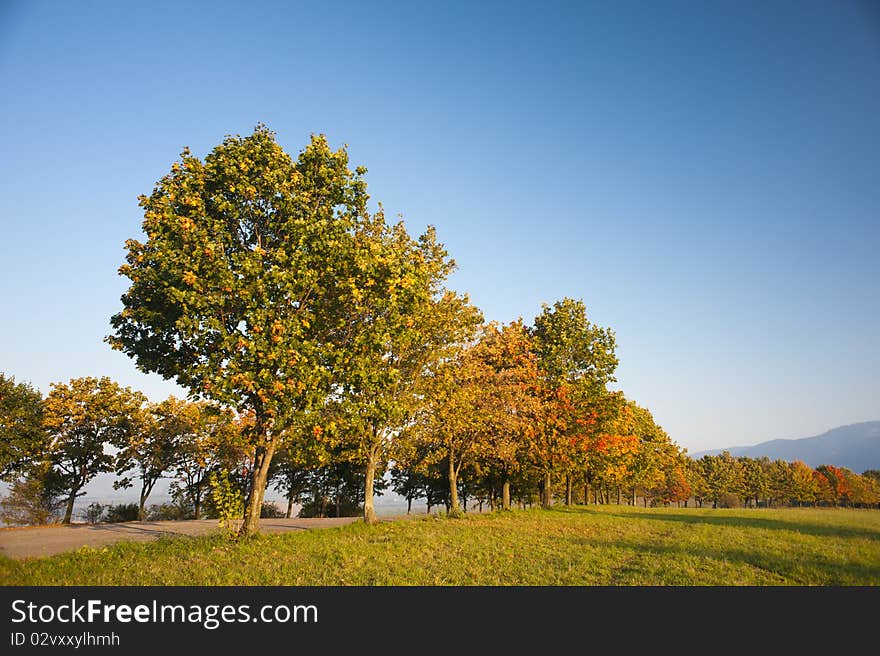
(408, 505)
(505, 495)
(146, 488)
(370, 474)
(289, 506)
(453, 489)
(547, 495)
(586, 494)
(68, 513)
(618, 495)
(568, 490)
(259, 476)
(197, 495)
(635, 497)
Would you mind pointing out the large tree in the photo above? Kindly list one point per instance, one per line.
(234, 292)
(86, 418)
(398, 324)
(577, 361)
(23, 439)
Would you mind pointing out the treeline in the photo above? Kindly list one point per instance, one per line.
(727, 481)
(495, 458)
(320, 346)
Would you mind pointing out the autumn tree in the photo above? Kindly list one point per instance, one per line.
(153, 447)
(781, 486)
(457, 416)
(802, 483)
(514, 383)
(825, 493)
(697, 478)
(870, 479)
(428, 482)
(676, 486)
(23, 439)
(85, 418)
(234, 293)
(291, 474)
(480, 407)
(399, 322)
(208, 438)
(838, 483)
(34, 499)
(863, 490)
(755, 479)
(409, 484)
(577, 361)
(720, 473)
(632, 450)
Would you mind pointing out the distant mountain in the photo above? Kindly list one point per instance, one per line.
(856, 447)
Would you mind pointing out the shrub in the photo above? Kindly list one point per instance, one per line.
(270, 511)
(94, 513)
(727, 500)
(170, 511)
(227, 499)
(325, 507)
(31, 501)
(122, 512)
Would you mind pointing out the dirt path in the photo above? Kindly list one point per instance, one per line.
(50, 540)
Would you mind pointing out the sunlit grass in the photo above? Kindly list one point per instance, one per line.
(604, 545)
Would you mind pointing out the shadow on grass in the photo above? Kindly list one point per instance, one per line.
(127, 529)
(788, 571)
(766, 523)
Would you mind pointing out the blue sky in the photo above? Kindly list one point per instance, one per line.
(705, 176)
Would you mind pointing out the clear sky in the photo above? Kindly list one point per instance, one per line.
(704, 175)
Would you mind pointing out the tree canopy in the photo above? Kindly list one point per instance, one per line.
(22, 435)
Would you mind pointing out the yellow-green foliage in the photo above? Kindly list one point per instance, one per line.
(227, 499)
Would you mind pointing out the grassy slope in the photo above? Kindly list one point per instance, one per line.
(608, 545)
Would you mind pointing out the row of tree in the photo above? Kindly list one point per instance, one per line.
(726, 480)
(267, 286)
(471, 446)
(311, 334)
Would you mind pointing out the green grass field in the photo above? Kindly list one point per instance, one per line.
(604, 545)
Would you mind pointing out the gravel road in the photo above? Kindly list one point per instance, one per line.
(49, 540)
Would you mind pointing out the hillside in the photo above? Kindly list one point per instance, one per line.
(856, 446)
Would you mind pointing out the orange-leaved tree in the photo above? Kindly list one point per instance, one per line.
(576, 361)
